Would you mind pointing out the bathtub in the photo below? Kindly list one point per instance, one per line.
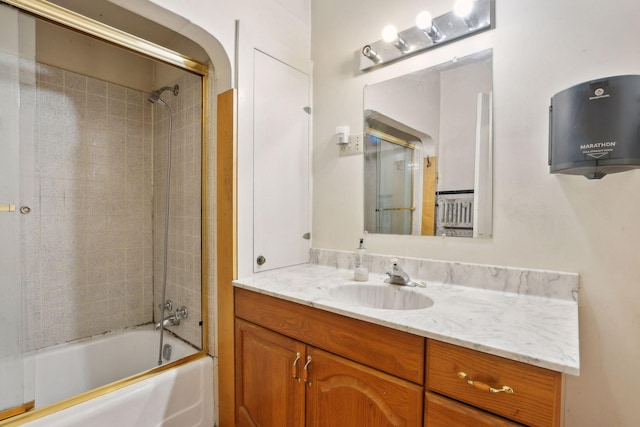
(180, 395)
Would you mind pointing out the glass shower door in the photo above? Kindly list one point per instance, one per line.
(395, 188)
(12, 368)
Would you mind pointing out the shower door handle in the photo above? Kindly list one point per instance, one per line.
(7, 208)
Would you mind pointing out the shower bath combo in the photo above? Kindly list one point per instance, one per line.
(90, 146)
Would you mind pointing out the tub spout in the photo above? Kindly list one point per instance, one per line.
(171, 320)
(174, 319)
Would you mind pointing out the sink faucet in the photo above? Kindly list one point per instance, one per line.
(397, 276)
(174, 319)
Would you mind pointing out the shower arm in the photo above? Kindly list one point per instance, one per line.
(155, 95)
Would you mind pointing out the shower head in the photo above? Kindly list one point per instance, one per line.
(155, 95)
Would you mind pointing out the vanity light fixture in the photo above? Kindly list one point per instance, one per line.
(468, 17)
(424, 21)
(390, 35)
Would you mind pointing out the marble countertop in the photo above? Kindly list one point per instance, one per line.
(537, 330)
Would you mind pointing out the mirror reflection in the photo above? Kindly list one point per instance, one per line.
(428, 154)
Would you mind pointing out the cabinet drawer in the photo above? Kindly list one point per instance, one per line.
(536, 393)
(443, 412)
(395, 352)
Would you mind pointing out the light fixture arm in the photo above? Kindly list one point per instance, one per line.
(400, 44)
(434, 33)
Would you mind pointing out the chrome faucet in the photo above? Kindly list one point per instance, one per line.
(397, 276)
(174, 319)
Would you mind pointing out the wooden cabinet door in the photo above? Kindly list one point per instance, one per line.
(269, 392)
(344, 393)
(281, 164)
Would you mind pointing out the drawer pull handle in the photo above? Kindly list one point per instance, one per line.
(294, 367)
(305, 372)
(484, 387)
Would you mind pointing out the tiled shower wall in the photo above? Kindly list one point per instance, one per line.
(184, 256)
(88, 242)
(87, 245)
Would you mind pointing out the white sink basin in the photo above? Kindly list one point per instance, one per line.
(386, 297)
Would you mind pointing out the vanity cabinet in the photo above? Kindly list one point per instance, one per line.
(299, 366)
(322, 369)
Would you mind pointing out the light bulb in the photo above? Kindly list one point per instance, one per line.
(389, 34)
(424, 20)
(463, 8)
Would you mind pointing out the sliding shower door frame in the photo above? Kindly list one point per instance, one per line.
(90, 27)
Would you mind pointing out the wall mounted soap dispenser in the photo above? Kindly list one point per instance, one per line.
(594, 127)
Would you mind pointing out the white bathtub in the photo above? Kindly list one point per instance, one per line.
(180, 396)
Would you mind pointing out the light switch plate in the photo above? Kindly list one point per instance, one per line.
(355, 145)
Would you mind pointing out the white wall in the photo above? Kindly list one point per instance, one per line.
(540, 220)
(459, 107)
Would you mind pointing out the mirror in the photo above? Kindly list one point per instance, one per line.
(428, 151)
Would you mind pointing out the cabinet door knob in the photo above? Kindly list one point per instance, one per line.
(261, 260)
(294, 367)
(484, 387)
(305, 371)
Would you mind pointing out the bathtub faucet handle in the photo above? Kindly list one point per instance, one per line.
(167, 306)
(182, 312)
